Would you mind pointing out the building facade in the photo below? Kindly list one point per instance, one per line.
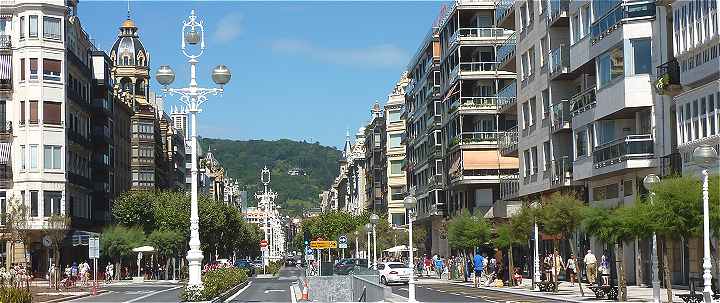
(395, 153)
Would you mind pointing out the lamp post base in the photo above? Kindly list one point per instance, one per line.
(194, 257)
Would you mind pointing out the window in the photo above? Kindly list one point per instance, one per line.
(34, 203)
(526, 162)
(51, 69)
(396, 167)
(22, 157)
(628, 188)
(585, 21)
(51, 113)
(610, 66)
(51, 28)
(581, 144)
(393, 116)
(546, 103)
(525, 69)
(22, 27)
(398, 219)
(22, 112)
(533, 110)
(51, 205)
(34, 112)
(642, 57)
(52, 157)
(531, 58)
(34, 156)
(544, 47)
(22, 69)
(33, 68)
(526, 115)
(394, 140)
(396, 193)
(534, 159)
(576, 30)
(547, 155)
(377, 140)
(33, 26)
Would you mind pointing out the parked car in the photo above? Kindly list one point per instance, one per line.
(258, 263)
(346, 266)
(246, 265)
(394, 272)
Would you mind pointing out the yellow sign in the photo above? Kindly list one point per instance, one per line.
(323, 244)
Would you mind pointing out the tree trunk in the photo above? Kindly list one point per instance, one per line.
(56, 272)
(620, 262)
(578, 272)
(511, 265)
(555, 275)
(639, 280)
(118, 269)
(167, 268)
(666, 269)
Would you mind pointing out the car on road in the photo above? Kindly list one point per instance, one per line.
(290, 262)
(258, 264)
(394, 272)
(246, 265)
(346, 266)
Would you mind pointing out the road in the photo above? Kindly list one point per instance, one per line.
(269, 289)
(152, 292)
(445, 292)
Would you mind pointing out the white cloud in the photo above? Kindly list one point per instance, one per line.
(375, 56)
(228, 28)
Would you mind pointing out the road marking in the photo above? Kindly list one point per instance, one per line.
(293, 299)
(267, 291)
(238, 293)
(152, 294)
(84, 298)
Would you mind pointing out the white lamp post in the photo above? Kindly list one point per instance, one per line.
(536, 250)
(648, 182)
(193, 96)
(410, 203)
(706, 157)
(368, 228)
(374, 219)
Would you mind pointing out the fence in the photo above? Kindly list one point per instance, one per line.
(368, 289)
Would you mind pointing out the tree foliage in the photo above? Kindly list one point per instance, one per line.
(118, 241)
(676, 208)
(561, 214)
(466, 232)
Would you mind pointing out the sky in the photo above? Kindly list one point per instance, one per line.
(301, 70)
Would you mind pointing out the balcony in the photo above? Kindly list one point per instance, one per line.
(558, 13)
(5, 71)
(506, 50)
(475, 138)
(5, 42)
(102, 106)
(561, 171)
(102, 135)
(560, 116)
(435, 182)
(509, 187)
(560, 63)
(6, 132)
(477, 33)
(78, 138)
(583, 101)
(79, 180)
(509, 142)
(632, 147)
(634, 10)
(503, 10)
(668, 79)
(507, 96)
(474, 105)
(478, 66)
(6, 175)
(480, 176)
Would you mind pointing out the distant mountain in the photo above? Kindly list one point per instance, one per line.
(300, 170)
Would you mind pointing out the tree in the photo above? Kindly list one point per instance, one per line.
(505, 238)
(118, 242)
(135, 208)
(55, 229)
(676, 212)
(560, 215)
(16, 221)
(467, 232)
(168, 244)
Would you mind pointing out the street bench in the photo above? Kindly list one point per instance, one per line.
(692, 297)
(611, 291)
(546, 286)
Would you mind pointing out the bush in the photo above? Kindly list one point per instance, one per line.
(215, 282)
(274, 267)
(15, 295)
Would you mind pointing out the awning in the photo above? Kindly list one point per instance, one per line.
(4, 153)
(399, 249)
(5, 67)
(487, 159)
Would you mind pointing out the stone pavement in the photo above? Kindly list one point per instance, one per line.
(566, 292)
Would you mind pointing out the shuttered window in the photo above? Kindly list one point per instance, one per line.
(51, 69)
(33, 112)
(51, 113)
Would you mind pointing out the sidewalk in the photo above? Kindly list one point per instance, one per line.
(566, 292)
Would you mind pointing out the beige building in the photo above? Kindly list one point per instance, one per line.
(395, 152)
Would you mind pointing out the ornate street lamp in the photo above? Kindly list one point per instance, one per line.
(368, 229)
(410, 203)
(374, 219)
(649, 182)
(193, 32)
(706, 157)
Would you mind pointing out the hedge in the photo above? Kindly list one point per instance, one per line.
(215, 282)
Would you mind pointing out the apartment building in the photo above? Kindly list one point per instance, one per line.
(376, 162)
(59, 111)
(395, 152)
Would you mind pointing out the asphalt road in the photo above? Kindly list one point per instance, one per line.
(151, 292)
(275, 289)
(458, 293)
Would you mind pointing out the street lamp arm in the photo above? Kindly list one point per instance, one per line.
(193, 97)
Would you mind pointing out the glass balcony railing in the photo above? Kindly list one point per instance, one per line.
(507, 95)
(508, 141)
(502, 9)
(478, 66)
(583, 101)
(561, 172)
(630, 9)
(507, 48)
(559, 60)
(623, 149)
(474, 138)
(668, 78)
(560, 116)
(556, 10)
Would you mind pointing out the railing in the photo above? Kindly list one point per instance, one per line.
(508, 141)
(409, 88)
(5, 41)
(559, 60)
(435, 182)
(6, 78)
(77, 138)
(557, 8)
(622, 149)
(507, 95)
(103, 134)
(6, 175)
(509, 186)
(560, 115)
(583, 101)
(79, 180)
(478, 66)
(502, 9)
(628, 10)
(561, 171)
(474, 138)
(670, 165)
(483, 32)
(474, 103)
(6, 129)
(507, 48)
(668, 74)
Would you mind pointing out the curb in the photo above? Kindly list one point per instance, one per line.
(229, 292)
(69, 298)
(529, 294)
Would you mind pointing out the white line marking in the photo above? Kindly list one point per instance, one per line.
(83, 298)
(293, 299)
(238, 293)
(267, 291)
(152, 294)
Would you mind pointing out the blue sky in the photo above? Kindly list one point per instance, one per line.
(301, 70)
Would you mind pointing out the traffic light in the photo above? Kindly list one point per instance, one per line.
(306, 237)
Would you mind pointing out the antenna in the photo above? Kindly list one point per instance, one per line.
(128, 9)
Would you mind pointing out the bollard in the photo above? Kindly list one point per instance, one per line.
(305, 295)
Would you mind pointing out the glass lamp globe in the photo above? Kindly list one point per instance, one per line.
(368, 227)
(192, 37)
(165, 75)
(705, 156)
(650, 180)
(374, 219)
(409, 202)
(221, 75)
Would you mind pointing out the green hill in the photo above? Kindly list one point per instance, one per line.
(243, 161)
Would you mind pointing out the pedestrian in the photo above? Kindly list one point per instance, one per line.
(590, 266)
(469, 269)
(547, 267)
(557, 266)
(571, 269)
(109, 273)
(605, 269)
(517, 277)
(428, 265)
(479, 263)
(439, 266)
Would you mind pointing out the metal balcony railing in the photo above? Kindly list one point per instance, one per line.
(623, 149)
(509, 186)
(478, 66)
(5, 41)
(668, 77)
(474, 138)
(557, 9)
(559, 60)
(560, 116)
(507, 48)
(561, 171)
(508, 141)
(6, 131)
(502, 9)
(627, 10)
(583, 101)
(474, 103)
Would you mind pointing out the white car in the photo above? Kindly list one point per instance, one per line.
(394, 272)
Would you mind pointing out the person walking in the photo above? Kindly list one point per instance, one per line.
(590, 266)
(439, 266)
(571, 269)
(557, 266)
(478, 262)
(428, 265)
(492, 271)
(605, 269)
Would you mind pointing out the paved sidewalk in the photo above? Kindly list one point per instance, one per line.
(566, 292)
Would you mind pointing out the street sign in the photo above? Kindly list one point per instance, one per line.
(342, 240)
(309, 251)
(323, 244)
(263, 243)
(94, 248)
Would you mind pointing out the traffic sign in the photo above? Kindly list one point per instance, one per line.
(94, 248)
(309, 251)
(342, 240)
(263, 243)
(323, 244)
